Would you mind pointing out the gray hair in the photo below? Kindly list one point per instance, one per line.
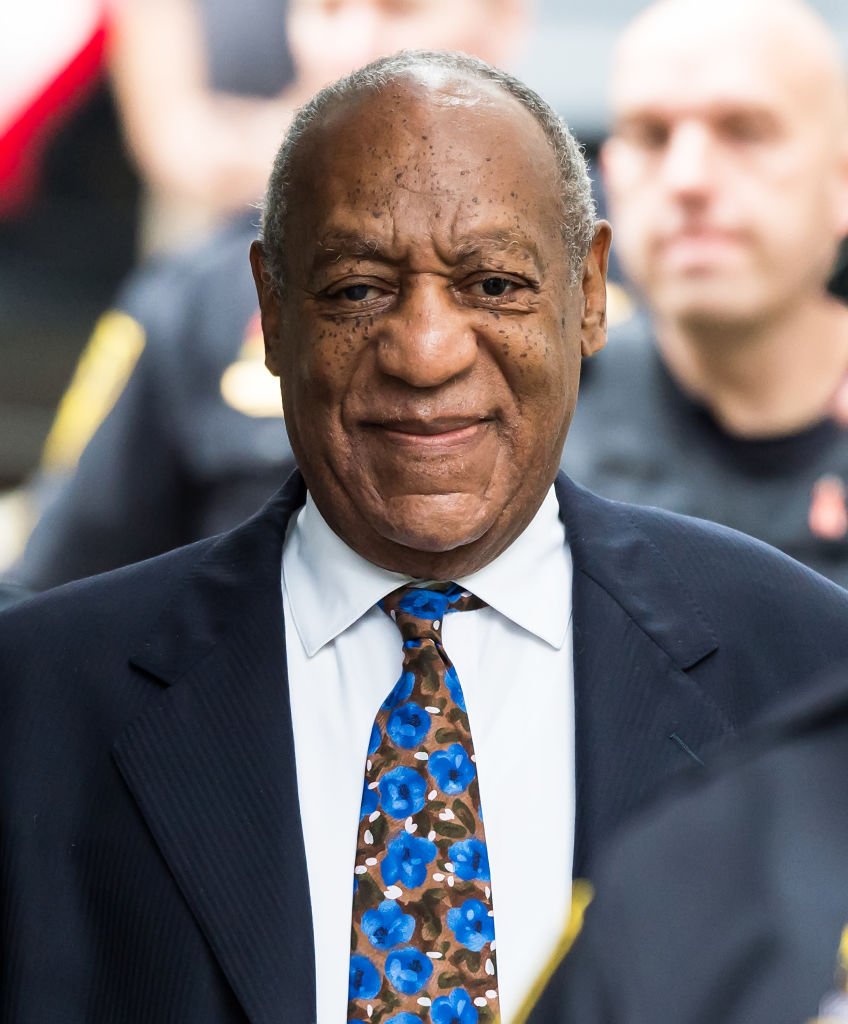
(578, 207)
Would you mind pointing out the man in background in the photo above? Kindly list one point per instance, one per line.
(182, 417)
(727, 182)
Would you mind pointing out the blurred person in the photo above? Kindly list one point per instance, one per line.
(237, 781)
(206, 87)
(728, 901)
(68, 203)
(727, 181)
(189, 440)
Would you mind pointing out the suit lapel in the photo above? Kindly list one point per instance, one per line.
(212, 767)
(639, 715)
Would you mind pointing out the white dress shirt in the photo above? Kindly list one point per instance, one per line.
(514, 662)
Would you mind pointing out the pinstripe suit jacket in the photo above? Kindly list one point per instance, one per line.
(152, 868)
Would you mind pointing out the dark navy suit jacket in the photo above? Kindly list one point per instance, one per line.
(152, 868)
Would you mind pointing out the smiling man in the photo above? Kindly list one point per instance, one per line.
(341, 763)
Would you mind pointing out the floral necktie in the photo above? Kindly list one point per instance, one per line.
(423, 935)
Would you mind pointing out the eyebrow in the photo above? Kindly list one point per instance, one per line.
(336, 246)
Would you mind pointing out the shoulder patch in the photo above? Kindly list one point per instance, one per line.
(100, 376)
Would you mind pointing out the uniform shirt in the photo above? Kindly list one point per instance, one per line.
(637, 437)
(514, 661)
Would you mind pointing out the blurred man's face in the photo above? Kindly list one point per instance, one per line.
(429, 338)
(725, 172)
(330, 38)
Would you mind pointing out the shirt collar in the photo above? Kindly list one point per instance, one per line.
(329, 586)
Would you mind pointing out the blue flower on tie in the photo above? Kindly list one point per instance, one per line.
(454, 592)
(375, 739)
(454, 689)
(424, 604)
(408, 970)
(406, 860)
(387, 926)
(370, 800)
(402, 791)
(400, 691)
(404, 1018)
(471, 859)
(408, 725)
(457, 1008)
(365, 981)
(472, 924)
(452, 769)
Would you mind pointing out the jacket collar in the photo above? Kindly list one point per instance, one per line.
(609, 547)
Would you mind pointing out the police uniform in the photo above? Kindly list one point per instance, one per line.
(189, 436)
(637, 437)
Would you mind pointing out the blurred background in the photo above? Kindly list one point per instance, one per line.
(131, 128)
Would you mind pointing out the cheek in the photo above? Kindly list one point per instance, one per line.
(542, 371)
(323, 362)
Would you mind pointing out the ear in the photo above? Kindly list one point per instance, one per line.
(593, 324)
(269, 307)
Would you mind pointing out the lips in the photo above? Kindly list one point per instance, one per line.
(431, 432)
(700, 235)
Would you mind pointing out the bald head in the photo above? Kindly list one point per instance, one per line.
(727, 168)
(779, 38)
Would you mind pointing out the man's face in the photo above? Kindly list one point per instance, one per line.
(725, 175)
(329, 38)
(429, 339)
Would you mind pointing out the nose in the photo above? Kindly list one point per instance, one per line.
(428, 340)
(688, 165)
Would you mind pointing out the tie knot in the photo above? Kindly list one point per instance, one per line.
(418, 612)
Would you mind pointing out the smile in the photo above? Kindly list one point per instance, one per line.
(440, 432)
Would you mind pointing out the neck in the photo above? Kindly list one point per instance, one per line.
(762, 379)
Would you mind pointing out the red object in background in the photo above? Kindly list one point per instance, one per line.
(24, 139)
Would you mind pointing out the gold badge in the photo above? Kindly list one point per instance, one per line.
(246, 385)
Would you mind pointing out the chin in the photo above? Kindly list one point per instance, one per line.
(436, 523)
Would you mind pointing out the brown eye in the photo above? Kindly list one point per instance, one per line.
(495, 286)
(356, 292)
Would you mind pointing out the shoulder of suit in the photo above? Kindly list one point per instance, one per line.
(723, 568)
(124, 602)
(112, 605)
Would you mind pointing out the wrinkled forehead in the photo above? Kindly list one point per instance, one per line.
(449, 147)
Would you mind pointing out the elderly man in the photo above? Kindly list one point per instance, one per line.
(230, 796)
(727, 177)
